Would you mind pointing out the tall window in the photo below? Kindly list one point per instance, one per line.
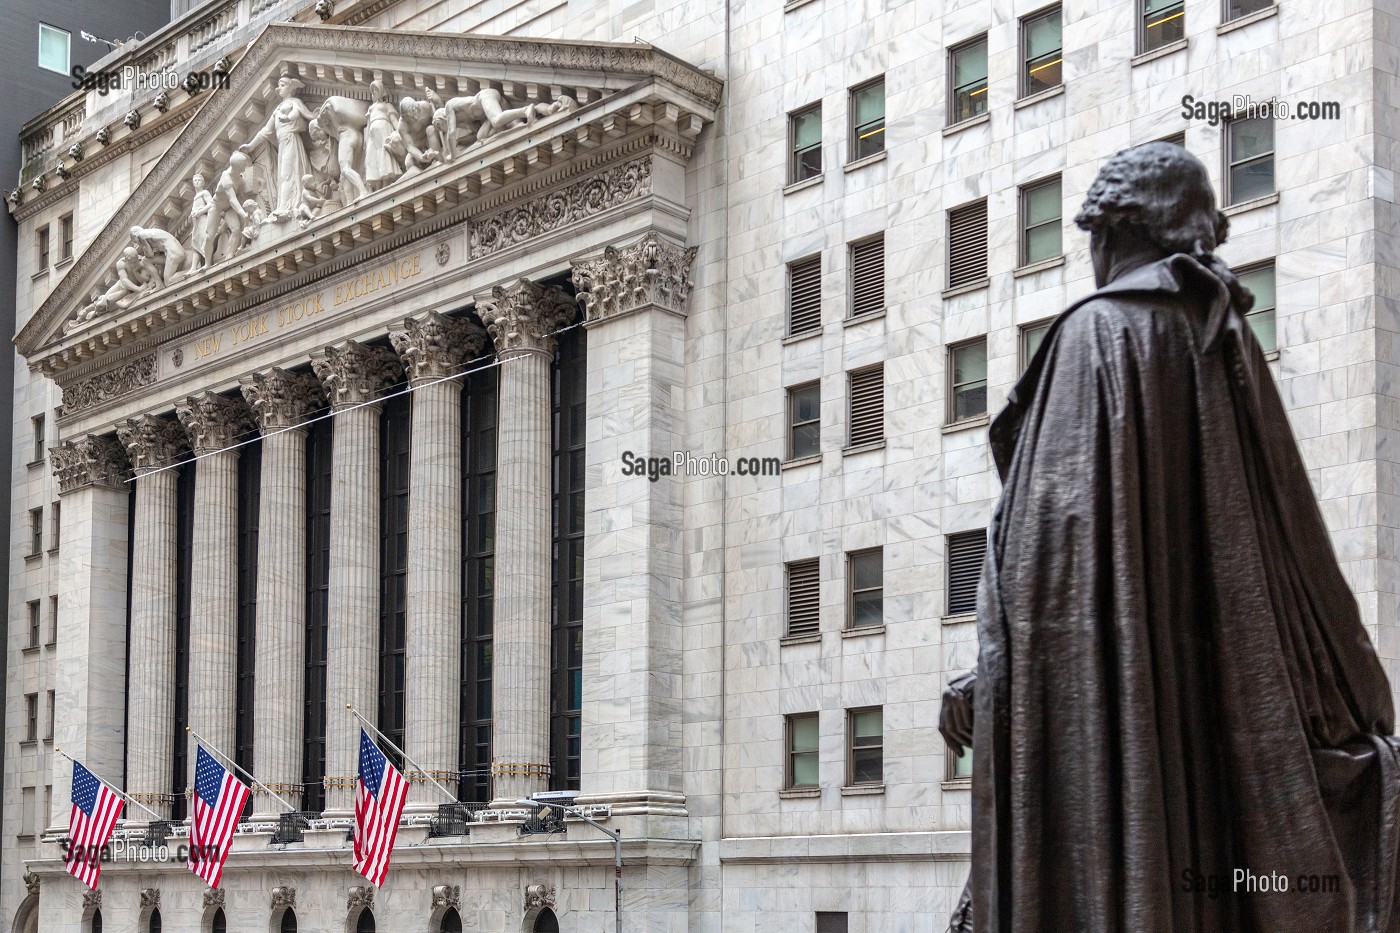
(865, 576)
(967, 96)
(805, 144)
(479, 401)
(53, 48)
(865, 730)
(1235, 9)
(55, 523)
(1040, 221)
(48, 723)
(65, 235)
(1163, 22)
(36, 532)
(396, 441)
(41, 248)
(1041, 52)
(570, 420)
(804, 597)
(802, 741)
(867, 119)
(1260, 280)
(1250, 153)
(966, 551)
(805, 295)
(53, 618)
(804, 421)
(967, 244)
(249, 485)
(1032, 336)
(868, 276)
(867, 414)
(967, 388)
(319, 440)
(31, 717)
(37, 424)
(34, 623)
(960, 766)
(288, 923)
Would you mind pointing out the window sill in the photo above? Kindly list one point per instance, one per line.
(30, 649)
(863, 318)
(964, 617)
(29, 743)
(980, 421)
(35, 463)
(1039, 96)
(863, 448)
(39, 275)
(53, 552)
(956, 290)
(50, 644)
(862, 790)
(1252, 204)
(1243, 21)
(804, 183)
(1168, 49)
(799, 793)
(864, 161)
(794, 4)
(967, 124)
(802, 462)
(813, 639)
(33, 558)
(805, 335)
(863, 630)
(65, 261)
(1054, 262)
(958, 784)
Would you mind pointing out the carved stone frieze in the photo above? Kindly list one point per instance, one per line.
(360, 895)
(284, 895)
(525, 316)
(152, 442)
(282, 399)
(447, 896)
(92, 900)
(109, 385)
(539, 896)
(353, 374)
(434, 346)
(214, 899)
(651, 271)
(89, 461)
(31, 881)
(213, 421)
(150, 898)
(565, 207)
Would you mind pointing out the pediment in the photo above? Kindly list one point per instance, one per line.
(311, 152)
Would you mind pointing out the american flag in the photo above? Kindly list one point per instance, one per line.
(218, 801)
(95, 810)
(380, 800)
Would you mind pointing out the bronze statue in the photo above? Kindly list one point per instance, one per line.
(1178, 721)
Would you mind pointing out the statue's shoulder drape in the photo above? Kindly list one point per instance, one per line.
(1174, 681)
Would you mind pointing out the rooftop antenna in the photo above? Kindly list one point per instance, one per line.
(111, 43)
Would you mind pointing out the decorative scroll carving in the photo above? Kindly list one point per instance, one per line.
(539, 896)
(360, 895)
(89, 461)
(353, 374)
(284, 896)
(152, 442)
(281, 399)
(31, 881)
(651, 271)
(434, 345)
(150, 898)
(92, 900)
(214, 899)
(581, 200)
(109, 385)
(213, 421)
(447, 896)
(525, 316)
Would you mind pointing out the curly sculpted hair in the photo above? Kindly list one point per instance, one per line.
(1164, 192)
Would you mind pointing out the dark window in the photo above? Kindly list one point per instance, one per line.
(396, 428)
(831, 922)
(1163, 22)
(154, 924)
(451, 922)
(1234, 9)
(220, 924)
(570, 457)
(804, 421)
(96, 925)
(805, 143)
(34, 623)
(1250, 159)
(288, 923)
(968, 75)
(1260, 281)
(868, 276)
(867, 412)
(1042, 52)
(48, 724)
(805, 295)
(967, 244)
(479, 404)
(866, 729)
(36, 531)
(365, 922)
(39, 452)
(31, 717)
(960, 766)
(249, 484)
(319, 451)
(1032, 336)
(184, 538)
(804, 597)
(966, 549)
(65, 231)
(1040, 221)
(865, 576)
(802, 757)
(56, 521)
(546, 922)
(53, 616)
(41, 248)
(967, 388)
(867, 119)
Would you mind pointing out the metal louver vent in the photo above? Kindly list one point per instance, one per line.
(868, 276)
(867, 405)
(805, 295)
(804, 597)
(967, 244)
(966, 550)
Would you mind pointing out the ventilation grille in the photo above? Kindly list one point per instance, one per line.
(804, 597)
(805, 295)
(965, 553)
(967, 244)
(868, 277)
(867, 405)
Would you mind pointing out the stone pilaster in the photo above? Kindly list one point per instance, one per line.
(521, 320)
(636, 299)
(281, 402)
(354, 377)
(90, 680)
(153, 445)
(433, 347)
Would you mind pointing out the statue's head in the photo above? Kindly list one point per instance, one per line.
(136, 232)
(1156, 195)
(376, 90)
(238, 162)
(197, 181)
(129, 252)
(287, 86)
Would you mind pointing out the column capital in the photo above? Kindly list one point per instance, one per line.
(89, 461)
(525, 316)
(152, 442)
(281, 399)
(651, 271)
(433, 345)
(353, 374)
(213, 421)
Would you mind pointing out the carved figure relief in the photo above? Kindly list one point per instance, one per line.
(284, 131)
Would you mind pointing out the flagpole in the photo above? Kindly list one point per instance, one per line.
(205, 742)
(109, 786)
(390, 742)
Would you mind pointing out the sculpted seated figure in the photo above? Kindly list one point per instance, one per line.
(150, 241)
(417, 139)
(486, 113)
(135, 276)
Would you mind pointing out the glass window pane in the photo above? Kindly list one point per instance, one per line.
(868, 104)
(867, 766)
(807, 128)
(962, 765)
(867, 570)
(970, 363)
(1158, 6)
(806, 404)
(1261, 283)
(867, 608)
(53, 49)
(1252, 180)
(971, 401)
(1042, 203)
(1250, 138)
(1265, 328)
(868, 723)
(804, 733)
(1043, 35)
(806, 440)
(1032, 337)
(970, 64)
(1043, 242)
(805, 769)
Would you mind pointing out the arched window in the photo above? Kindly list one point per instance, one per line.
(366, 922)
(220, 925)
(289, 921)
(96, 921)
(546, 922)
(451, 922)
(153, 925)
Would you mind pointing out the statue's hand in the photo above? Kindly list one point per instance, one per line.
(955, 717)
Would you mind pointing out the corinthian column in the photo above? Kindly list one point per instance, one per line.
(281, 402)
(152, 444)
(354, 377)
(432, 348)
(521, 320)
(214, 424)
